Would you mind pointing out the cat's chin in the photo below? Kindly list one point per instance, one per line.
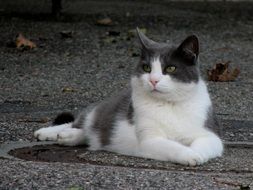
(159, 95)
(155, 91)
(165, 96)
(158, 92)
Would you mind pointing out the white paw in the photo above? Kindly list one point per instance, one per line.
(50, 133)
(46, 134)
(206, 153)
(70, 137)
(191, 158)
(208, 147)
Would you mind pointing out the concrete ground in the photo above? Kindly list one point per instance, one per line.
(68, 74)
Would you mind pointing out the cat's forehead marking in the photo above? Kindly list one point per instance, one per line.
(156, 65)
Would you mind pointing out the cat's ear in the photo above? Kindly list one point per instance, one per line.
(189, 49)
(146, 43)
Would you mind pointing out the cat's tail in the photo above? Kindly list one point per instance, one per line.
(65, 117)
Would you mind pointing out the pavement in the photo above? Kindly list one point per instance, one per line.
(68, 74)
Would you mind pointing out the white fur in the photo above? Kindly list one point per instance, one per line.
(161, 148)
(71, 137)
(156, 72)
(50, 133)
(63, 134)
(124, 139)
(208, 147)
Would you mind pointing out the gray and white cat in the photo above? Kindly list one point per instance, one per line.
(166, 114)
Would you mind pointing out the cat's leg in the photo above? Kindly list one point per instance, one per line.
(163, 149)
(208, 147)
(51, 133)
(63, 134)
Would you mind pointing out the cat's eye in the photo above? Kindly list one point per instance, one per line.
(146, 68)
(170, 69)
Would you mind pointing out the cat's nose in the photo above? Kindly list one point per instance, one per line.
(154, 82)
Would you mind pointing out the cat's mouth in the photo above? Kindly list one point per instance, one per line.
(155, 91)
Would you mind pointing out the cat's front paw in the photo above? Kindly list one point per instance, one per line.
(190, 158)
(45, 134)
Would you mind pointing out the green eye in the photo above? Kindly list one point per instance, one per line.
(146, 68)
(170, 69)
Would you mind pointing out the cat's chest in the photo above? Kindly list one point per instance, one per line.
(170, 118)
(166, 114)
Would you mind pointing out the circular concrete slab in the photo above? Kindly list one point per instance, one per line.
(236, 158)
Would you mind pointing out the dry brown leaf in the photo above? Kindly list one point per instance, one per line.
(104, 22)
(68, 89)
(66, 34)
(132, 33)
(24, 43)
(113, 33)
(222, 73)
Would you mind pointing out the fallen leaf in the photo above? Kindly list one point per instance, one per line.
(66, 54)
(35, 72)
(44, 120)
(132, 33)
(133, 52)
(68, 89)
(75, 188)
(121, 66)
(109, 40)
(104, 22)
(222, 73)
(113, 33)
(24, 43)
(66, 34)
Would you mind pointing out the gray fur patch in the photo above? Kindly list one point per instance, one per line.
(108, 112)
(79, 122)
(130, 113)
(212, 122)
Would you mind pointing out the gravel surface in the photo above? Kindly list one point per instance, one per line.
(39, 175)
(68, 74)
(87, 63)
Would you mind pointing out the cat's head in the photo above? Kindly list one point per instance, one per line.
(167, 72)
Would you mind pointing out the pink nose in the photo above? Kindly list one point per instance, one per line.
(154, 82)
